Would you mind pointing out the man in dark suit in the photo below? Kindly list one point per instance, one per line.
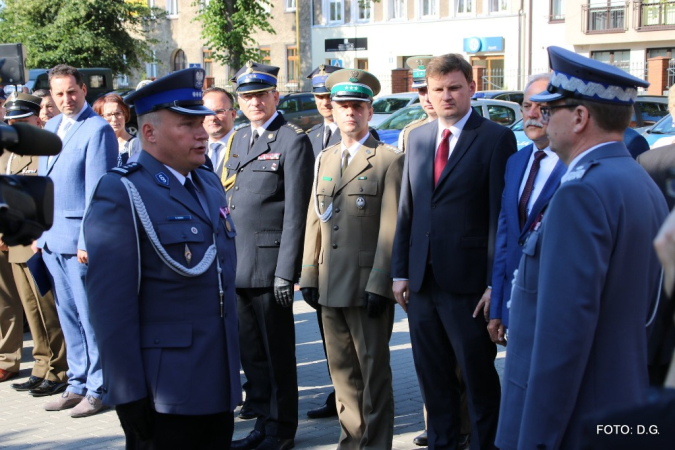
(532, 177)
(273, 163)
(589, 276)
(166, 319)
(89, 149)
(442, 259)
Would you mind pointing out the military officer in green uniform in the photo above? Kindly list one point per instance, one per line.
(347, 258)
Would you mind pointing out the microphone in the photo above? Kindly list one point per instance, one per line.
(25, 139)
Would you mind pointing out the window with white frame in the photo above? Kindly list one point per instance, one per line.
(289, 5)
(362, 10)
(397, 9)
(151, 67)
(465, 6)
(499, 6)
(336, 11)
(172, 7)
(428, 8)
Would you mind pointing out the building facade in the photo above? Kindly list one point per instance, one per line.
(180, 45)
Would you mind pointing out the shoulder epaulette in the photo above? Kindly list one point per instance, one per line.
(315, 127)
(295, 128)
(126, 169)
(578, 172)
(413, 123)
(242, 125)
(391, 148)
(205, 167)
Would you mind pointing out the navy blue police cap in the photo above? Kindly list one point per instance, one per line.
(180, 92)
(256, 77)
(20, 106)
(319, 77)
(576, 76)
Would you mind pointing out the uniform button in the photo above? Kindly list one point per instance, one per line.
(236, 188)
(336, 228)
(334, 245)
(337, 210)
(263, 167)
(276, 242)
(427, 234)
(232, 207)
(156, 341)
(241, 170)
(360, 189)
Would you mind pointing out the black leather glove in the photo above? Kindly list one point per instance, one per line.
(283, 292)
(311, 296)
(376, 304)
(137, 416)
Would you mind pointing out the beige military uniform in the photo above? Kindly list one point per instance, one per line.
(346, 255)
(49, 349)
(406, 131)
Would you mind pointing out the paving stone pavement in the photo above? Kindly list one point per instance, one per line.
(25, 425)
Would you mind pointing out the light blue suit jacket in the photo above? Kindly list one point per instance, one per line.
(89, 149)
(510, 237)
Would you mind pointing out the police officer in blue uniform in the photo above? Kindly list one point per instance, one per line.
(326, 133)
(160, 284)
(588, 279)
(272, 163)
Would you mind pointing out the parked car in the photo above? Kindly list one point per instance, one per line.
(504, 113)
(664, 128)
(509, 96)
(386, 105)
(300, 109)
(648, 109)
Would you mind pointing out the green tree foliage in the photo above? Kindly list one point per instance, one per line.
(228, 26)
(82, 33)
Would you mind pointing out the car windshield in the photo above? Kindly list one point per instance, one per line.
(401, 118)
(664, 126)
(389, 105)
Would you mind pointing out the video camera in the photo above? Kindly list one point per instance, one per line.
(26, 203)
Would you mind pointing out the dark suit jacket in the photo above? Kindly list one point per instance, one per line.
(657, 163)
(269, 202)
(510, 236)
(454, 223)
(584, 291)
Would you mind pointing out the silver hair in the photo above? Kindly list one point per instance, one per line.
(534, 78)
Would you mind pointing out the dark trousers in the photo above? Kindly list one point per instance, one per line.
(443, 333)
(267, 347)
(207, 432)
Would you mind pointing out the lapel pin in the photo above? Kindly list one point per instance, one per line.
(188, 254)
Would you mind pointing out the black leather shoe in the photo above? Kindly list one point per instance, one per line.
(328, 409)
(247, 414)
(48, 388)
(275, 443)
(31, 383)
(421, 440)
(250, 442)
(464, 441)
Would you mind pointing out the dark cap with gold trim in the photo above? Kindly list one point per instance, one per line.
(180, 92)
(256, 77)
(319, 77)
(352, 85)
(20, 106)
(418, 64)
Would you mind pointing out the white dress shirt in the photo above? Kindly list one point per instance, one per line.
(353, 149)
(261, 130)
(455, 129)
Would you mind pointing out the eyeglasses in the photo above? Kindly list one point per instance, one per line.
(248, 96)
(118, 115)
(546, 111)
(220, 112)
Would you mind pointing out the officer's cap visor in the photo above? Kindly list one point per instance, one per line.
(254, 87)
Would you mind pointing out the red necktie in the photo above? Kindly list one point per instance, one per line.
(442, 155)
(529, 187)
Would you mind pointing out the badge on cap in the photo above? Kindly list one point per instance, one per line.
(162, 179)
(360, 202)
(250, 67)
(354, 78)
(199, 79)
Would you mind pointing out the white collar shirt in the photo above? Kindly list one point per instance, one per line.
(455, 129)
